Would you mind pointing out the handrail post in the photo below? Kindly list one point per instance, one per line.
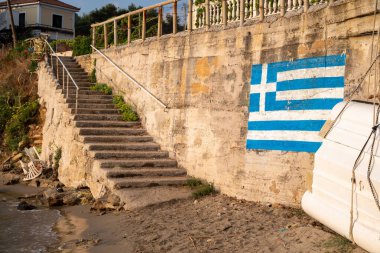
(115, 33)
(63, 78)
(129, 29)
(261, 8)
(93, 37)
(143, 35)
(190, 16)
(159, 27)
(282, 7)
(174, 17)
(56, 57)
(105, 36)
(242, 8)
(76, 101)
(67, 88)
(207, 9)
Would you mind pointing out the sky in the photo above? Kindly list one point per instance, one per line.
(89, 5)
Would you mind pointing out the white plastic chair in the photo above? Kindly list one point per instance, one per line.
(34, 168)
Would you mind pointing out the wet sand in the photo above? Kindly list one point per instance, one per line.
(212, 224)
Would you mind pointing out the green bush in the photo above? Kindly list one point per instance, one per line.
(102, 87)
(33, 66)
(16, 129)
(200, 188)
(126, 110)
(81, 45)
(6, 111)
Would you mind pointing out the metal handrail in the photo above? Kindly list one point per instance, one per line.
(64, 69)
(131, 78)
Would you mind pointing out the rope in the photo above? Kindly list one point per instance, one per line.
(373, 133)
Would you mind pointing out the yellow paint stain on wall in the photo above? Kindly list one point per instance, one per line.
(202, 68)
(198, 88)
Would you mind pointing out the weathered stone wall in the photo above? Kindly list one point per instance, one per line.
(76, 165)
(204, 78)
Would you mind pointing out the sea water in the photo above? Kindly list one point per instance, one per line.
(26, 231)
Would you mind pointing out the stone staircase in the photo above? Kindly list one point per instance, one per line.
(132, 164)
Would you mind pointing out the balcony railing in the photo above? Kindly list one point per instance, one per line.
(203, 13)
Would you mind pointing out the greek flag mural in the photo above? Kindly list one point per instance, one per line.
(290, 101)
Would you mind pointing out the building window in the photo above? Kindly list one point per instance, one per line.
(21, 19)
(57, 21)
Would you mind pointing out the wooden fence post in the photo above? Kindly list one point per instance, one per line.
(159, 29)
(242, 14)
(93, 37)
(190, 16)
(105, 36)
(207, 14)
(305, 5)
(224, 12)
(143, 35)
(282, 7)
(129, 29)
(115, 33)
(261, 8)
(175, 17)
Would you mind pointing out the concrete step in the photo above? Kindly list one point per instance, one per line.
(94, 106)
(146, 172)
(111, 131)
(136, 198)
(139, 182)
(94, 123)
(116, 139)
(95, 111)
(81, 96)
(123, 146)
(109, 117)
(73, 90)
(126, 154)
(127, 163)
(90, 101)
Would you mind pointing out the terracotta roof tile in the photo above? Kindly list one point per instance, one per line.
(51, 2)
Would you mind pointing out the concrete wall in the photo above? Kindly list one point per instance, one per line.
(205, 78)
(75, 167)
(47, 16)
(31, 13)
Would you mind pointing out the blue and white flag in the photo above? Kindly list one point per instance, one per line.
(290, 102)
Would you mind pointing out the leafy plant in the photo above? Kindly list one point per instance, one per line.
(200, 188)
(33, 66)
(128, 114)
(81, 45)
(57, 158)
(102, 87)
(16, 129)
(6, 111)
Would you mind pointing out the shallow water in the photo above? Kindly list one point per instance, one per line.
(25, 231)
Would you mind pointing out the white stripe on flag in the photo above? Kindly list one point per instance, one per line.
(268, 87)
(290, 115)
(310, 73)
(285, 135)
(310, 94)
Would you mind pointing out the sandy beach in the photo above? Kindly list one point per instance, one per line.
(211, 224)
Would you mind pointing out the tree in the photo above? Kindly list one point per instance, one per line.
(12, 23)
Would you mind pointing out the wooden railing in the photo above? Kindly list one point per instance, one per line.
(127, 19)
(205, 14)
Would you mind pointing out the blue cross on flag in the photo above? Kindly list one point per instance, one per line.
(290, 101)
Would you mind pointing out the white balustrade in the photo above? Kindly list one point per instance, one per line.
(250, 9)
